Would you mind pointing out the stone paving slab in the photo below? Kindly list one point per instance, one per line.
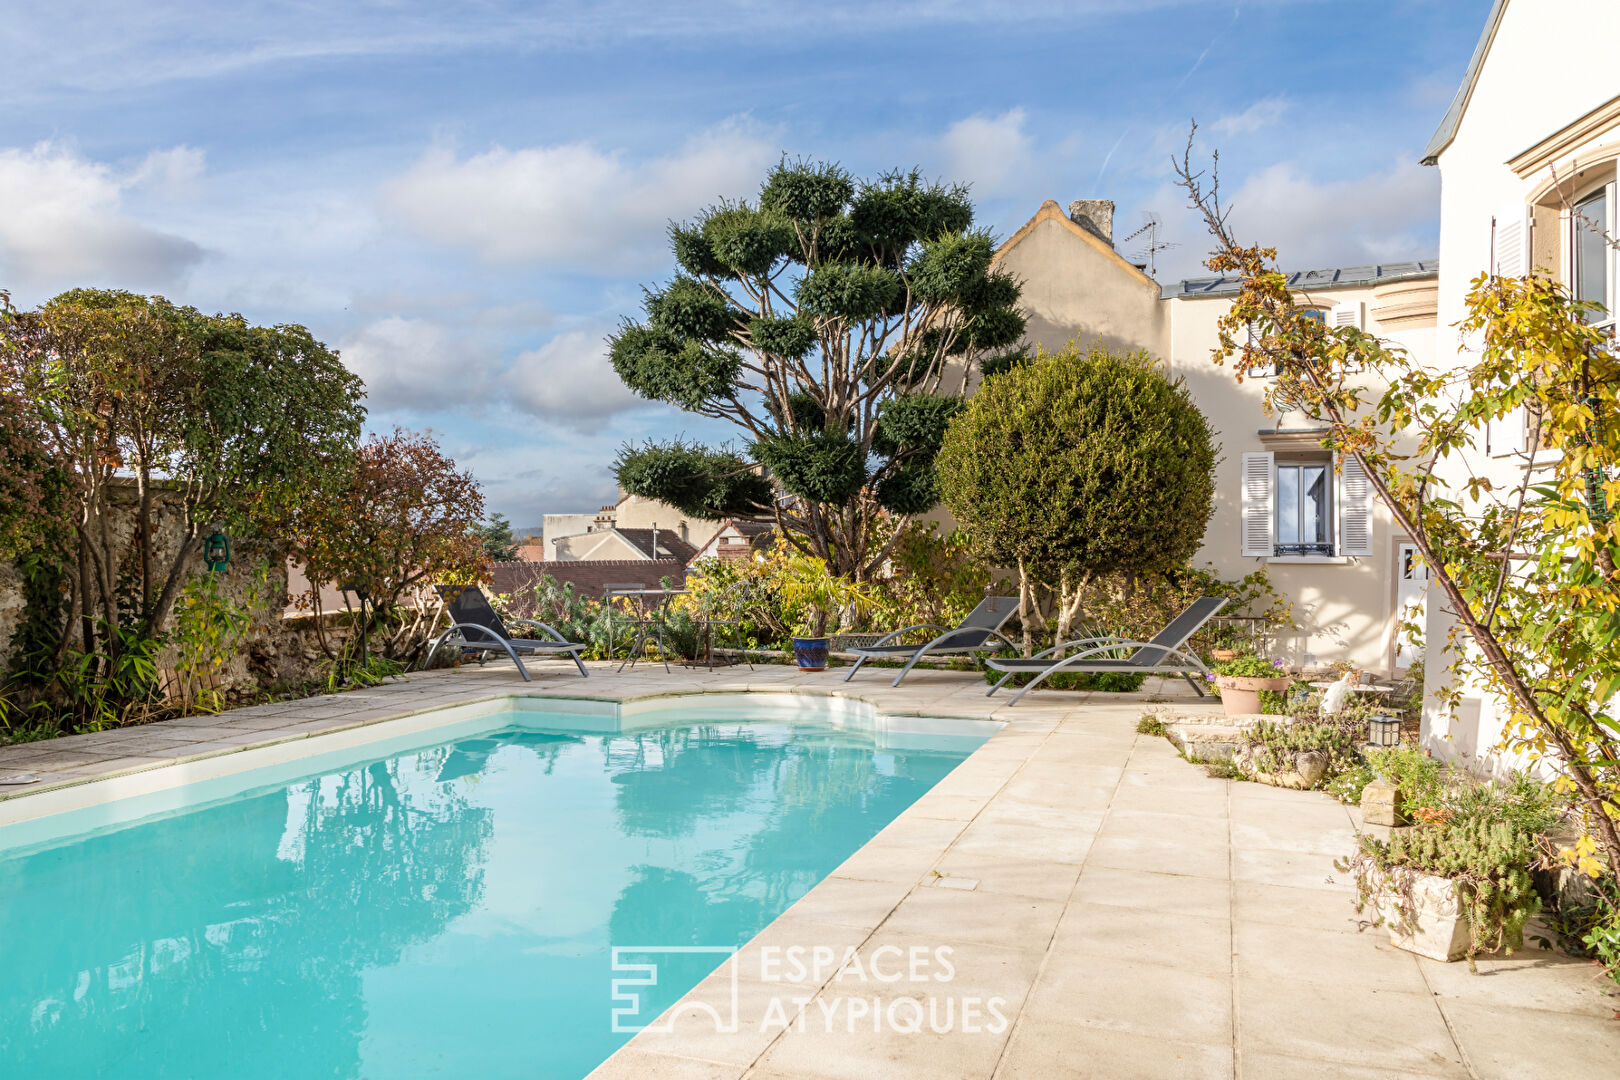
(1131, 916)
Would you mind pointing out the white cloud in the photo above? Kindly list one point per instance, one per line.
(178, 40)
(415, 364)
(412, 364)
(986, 151)
(1386, 216)
(171, 174)
(572, 205)
(1257, 117)
(569, 381)
(63, 223)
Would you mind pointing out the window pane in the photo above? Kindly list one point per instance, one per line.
(1313, 512)
(1288, 504)
(1591, 253)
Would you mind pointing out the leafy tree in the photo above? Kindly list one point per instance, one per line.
(1527, 568)
(34, 485)
(496, 534)
(836, 322)
(407, 517)
(242, 426)
(1077, 464)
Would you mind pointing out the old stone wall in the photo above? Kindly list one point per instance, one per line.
(282, 648)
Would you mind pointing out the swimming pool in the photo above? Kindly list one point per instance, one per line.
(438, 902)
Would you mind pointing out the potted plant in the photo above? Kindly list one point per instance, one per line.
(1228, 641)
(1241, 680)
(817, 593)
(1459, 883)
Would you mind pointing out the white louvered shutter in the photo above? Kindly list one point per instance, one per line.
(1261, 370)
(1348, 314)
(1511, 243)
(1505, 437)
(1355, 509)
(1259, 520)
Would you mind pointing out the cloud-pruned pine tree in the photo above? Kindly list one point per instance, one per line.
(837, 323)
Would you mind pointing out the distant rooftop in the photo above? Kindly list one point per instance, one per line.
(1342, 278)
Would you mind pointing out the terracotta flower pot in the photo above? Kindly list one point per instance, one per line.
(810, 653)
(1221, 656)
(1240, 695)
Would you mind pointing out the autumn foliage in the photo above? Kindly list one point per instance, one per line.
(406, 518)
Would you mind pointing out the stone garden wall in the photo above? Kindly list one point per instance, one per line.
(282, 648)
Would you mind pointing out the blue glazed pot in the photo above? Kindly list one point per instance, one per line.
(810, 653)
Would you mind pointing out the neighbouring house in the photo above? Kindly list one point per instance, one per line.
(633, 528)
(737, 541)
(616, 544)
(1527, 155)
(1282, 502)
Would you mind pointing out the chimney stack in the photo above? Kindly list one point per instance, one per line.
(1096, 216)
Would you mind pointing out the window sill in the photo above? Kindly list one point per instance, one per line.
(1309, 560)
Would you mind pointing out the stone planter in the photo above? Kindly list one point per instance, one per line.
(1307, 771)
(1241, 695)
(810, 653)
(1436, 927)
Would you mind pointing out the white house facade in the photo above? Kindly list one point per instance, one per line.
(1527, 156)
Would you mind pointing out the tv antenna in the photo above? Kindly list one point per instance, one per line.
(1150, 253)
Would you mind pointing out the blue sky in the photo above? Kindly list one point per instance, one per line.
(466, 196)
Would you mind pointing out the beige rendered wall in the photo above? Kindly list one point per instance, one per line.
(1076, 286)
(1344, 606)
(637, 513)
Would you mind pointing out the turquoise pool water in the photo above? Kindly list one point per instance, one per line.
(447, 910)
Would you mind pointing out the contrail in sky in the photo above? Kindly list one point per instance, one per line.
(1097, 186)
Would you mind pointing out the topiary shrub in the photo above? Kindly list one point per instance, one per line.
(1077, 464)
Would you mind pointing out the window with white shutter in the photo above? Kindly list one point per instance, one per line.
(1505, 437)
(1259, 468)
(1510, 261)
(1355, 509)
(1348, 314)
(1263, 369)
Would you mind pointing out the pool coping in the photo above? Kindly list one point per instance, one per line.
(17, 759)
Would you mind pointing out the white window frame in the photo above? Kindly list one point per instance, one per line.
(1349, 509)
(1609, 189)
(1327, 518)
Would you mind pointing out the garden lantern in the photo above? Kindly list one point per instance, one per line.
(217, 550)
(1383, 731)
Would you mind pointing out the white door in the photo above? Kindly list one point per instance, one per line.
(1411, 599)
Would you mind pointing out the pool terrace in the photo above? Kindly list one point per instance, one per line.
(1135, 917)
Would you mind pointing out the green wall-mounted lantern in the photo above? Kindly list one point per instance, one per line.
(217, 550)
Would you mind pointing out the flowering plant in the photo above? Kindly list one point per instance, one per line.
(1251, 667)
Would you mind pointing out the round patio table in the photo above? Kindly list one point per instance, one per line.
(1360, 688)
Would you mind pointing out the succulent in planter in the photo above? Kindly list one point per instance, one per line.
(1461, 884)
(1296, 755)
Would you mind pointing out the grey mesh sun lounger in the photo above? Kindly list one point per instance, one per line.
(973, 634)
(475, 626)
(1165, 654)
